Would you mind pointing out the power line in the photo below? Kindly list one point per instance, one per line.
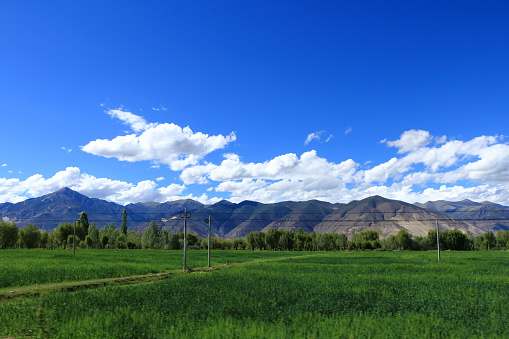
(263, 213)
(456, 220)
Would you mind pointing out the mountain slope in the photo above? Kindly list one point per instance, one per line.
(64, 205)
(484, 215)
(232, 220)
(388, 217)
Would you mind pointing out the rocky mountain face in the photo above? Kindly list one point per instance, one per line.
(230, 220)
(389, 217)
(486, 215)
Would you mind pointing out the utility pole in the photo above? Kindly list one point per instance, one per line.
(74, 240)
(185, 215)
(209, 221)
(438, 244)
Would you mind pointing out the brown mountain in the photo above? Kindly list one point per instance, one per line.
(484, 215)
(231, 220)
(388, 217)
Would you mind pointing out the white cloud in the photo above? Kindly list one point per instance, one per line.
(162, 108)
(313, 136)
(381, 173)
(166, 143)
(348, 130)
(4, 165)
(288, 166)
(410, 141)
(16, 190)
(424, 168)
(68, 150)
(480, 164)
(137, 123)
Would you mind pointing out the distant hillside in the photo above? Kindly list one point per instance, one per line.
(231, 220)
(484, 215)
(64, 205)
(388, 216)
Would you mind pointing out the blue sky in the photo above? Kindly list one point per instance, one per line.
(291, 100)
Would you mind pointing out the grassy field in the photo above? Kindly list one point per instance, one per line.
(38, 266)
(335, 294)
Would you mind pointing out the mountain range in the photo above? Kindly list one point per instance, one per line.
(231, 220)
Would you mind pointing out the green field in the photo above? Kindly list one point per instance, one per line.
(39, 266)
(333, 294)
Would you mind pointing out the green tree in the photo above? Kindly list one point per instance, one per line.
(454, 240)
(151, 236)
(192, 240)
(84, 223)
(29, 236)
(133, 239)
(285, 240)
(93, 233)
(112, 233)
(299, 239)
(104, 240)
(502, 239)
(63, 231)
(342, 242)
(123, 226)
(70, 241)
(365, 240)
(389, 243)
(403, 240)
(489, 241)
(422, 243)
(44, 241)
(121, 241)
(173, 241)
(8, 234)
(256, 240)
(89, 242)
(272, 238)
(239, 244)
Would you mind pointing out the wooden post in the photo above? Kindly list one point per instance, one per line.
(438, 244)
(208, 246)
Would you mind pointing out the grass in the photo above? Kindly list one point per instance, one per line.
(359, 294)
(34, 267)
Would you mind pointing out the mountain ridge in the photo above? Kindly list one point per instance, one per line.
(232, 220)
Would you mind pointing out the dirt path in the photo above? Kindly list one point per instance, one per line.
(71, 286)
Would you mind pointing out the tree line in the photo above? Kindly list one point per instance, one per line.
(155, 237)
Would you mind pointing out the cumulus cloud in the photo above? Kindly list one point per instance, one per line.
(410, 141)
(16, 190)
(480, 164)
(482, 159)
(166, 143)
(423, 168)
(309, 166)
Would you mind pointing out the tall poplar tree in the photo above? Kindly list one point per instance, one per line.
(84, 221)
(123, 227)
